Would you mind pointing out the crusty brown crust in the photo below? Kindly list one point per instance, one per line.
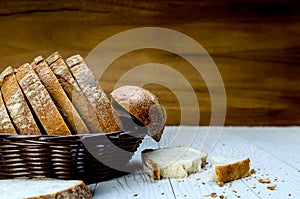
(143, 105)
(108, 120)
(6, 125)
(73, 91)
(78, 191)
(41, 101)
(16, 104)
(64, 105)
(234, 171)
(150, 167)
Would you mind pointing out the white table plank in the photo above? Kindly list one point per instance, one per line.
(134, 186)
(271, 156)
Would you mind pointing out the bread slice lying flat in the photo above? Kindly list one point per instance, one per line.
(108, 119)
(226, 169)
(173, 162)
(43, 189)
(41, 102)
(64, 105)
(16, 104)
(73, 91)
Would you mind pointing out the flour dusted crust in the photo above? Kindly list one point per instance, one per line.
(143, 105)
(64, 105)
(41, 101)
(6, 125)
(73, 91)
(16, 104)
(108, 119)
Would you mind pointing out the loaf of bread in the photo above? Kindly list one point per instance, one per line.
(64, 105)
(16, 104)
(226, 169)
(73, 91)
(44, 189)
(41, 102)
(143, 105)
(108, 119)
(173, 162)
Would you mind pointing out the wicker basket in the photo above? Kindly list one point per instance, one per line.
(65, 157)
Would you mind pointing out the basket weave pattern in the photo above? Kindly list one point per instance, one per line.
(64, 157)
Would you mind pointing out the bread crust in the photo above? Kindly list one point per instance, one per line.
(16, 104)
(143, 105)
(79, 191)
(6, 125)
(64, 105)
(41, 101)
(73, 91)
(234, 171)
(108, 120)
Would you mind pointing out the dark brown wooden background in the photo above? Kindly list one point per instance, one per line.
(255, 44)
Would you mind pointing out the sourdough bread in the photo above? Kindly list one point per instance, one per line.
(226, 169)
(143, 105)
(173, 162)
(44, 189)
(73, 91)
(6, 125)
(108, 120)
(64, 105)
(16, 104)
(41, 101)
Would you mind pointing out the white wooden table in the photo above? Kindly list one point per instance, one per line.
(274, 153)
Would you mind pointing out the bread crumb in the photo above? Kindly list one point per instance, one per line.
(197, 179)
(252, 171)
(222, 197)
(221, 184)
(254, 186)
(290, 194)
(271, 186)
(162, 193)
(135, 195)
(203, 183)
(264, 180)
(234, 191)
(212, 195)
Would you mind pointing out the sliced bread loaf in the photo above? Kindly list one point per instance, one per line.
(64, 105)
(226, 169)
(73, 91)
(6, 125)
(44, 189)
(16, 104)
(173, 162)
(143, 105)
(108, 120)
(41, 102)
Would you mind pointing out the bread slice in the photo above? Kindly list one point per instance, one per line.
(143, 105)
(43, 189)
(109, 121)
(41, 101)
(173, 162)
(64, 105)
(73, 91)
(16, 104)
(6, 125)
(226, 169)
